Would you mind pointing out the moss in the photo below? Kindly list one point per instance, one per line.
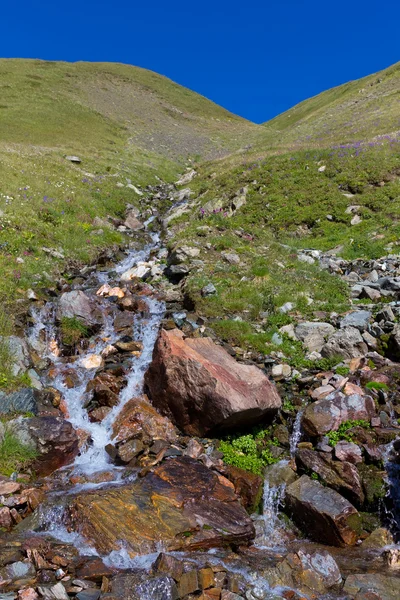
(374, 485)
(344, 431)
(251, 452)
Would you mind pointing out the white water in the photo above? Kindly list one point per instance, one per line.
(94, 458)
(296, 433)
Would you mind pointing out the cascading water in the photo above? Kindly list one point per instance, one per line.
(296, 433)
(392, 503)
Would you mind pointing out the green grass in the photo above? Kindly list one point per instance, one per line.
(344, 433)
(73, 330)
(14, 456)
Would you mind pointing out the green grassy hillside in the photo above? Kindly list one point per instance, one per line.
(355, 111)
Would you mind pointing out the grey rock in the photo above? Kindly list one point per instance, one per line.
(182, 254)
(19, 352)
(77, 304)
(55, 592)
(19, 570)
(73, 159)
(385, 314)
(187, 177)
(89, 594)
(386, 587)
(371, 293)
(209, 290)
(359, 319)
(321, 512)
(22, 401)
(370, 340)
(231, 258)
(287, 307)
(314, 334)
(346, 343)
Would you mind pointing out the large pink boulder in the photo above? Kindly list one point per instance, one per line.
(200, 387)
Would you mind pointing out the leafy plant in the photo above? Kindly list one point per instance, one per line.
(377, 385)
(343, 433)
(14, 456)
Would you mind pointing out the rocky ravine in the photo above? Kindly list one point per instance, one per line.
(144, 473)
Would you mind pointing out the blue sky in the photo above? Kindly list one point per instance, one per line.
(256, 58)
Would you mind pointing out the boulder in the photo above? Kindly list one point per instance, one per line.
(341, 476)
(53, 438)
(132, 222)
(139, 419)
(201, 388)
(77, 304)
(19, 352)
(248, 486)
(314, 335)
(321, 512)
(329, 413)
(346, 343)
(181, 505)
(359, 319)
(384, 586)
(23, 401)
(348, 451)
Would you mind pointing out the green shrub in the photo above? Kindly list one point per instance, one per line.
(73, 330)
(250, 452)
(377, 385)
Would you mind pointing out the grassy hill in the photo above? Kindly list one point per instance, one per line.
(356, 111)
(131, 125)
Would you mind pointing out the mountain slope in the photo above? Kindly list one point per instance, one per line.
(357, 110)
(99, 105)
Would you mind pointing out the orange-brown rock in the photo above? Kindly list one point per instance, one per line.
(248, 486)
(138, 418)
(181, 504)
(105, 388)
(201, 388)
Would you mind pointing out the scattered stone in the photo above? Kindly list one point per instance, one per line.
(346, 343)
(187, 177)
(314, 334)
(209, 290)
(77, 304)
(231, 258)
(92, 361)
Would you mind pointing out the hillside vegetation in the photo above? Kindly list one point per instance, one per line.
(131, 127)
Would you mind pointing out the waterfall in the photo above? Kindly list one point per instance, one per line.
(296, 433)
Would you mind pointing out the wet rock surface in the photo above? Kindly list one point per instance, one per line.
(181, 504)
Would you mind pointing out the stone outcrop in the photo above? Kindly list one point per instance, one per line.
(201, 388)
(181, 504)
(320, 511)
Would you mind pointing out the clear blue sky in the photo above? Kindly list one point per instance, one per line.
(256, 58)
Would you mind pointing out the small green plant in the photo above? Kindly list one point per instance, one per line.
(377, 385)
(14, 455)
(250, 452)
(314, 476)
(342, 371)
(288, 406)
(73, 330)
(342, 433)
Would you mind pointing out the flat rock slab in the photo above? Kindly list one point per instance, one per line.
(181, 504)
(321, 512)
(200, 387)
(385, 586)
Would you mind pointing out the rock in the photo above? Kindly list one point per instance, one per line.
(130, 450)
(209, 290)
(386, 587)
(53, 438)
(341, 476)
(138, 419)
(77, 304)
(371, 293)
(359, 319)
(321, 512)
(107, 290)
(248, 486)
(289, 331)
(132, 222)
(138, 272)
(19, 570)
(19, 352)
(24, 401)
(73, 159)
(181, 254)
(181, 504)
(9, 487)
(105, 389)
(287, 307)
(127, 344)
(28, 594)
(231, 258)
(346, 344)
(348, 451)
(186, 178)
(356, 220)
(89, 594)
(281, 371)
(92, 361)
(202, 388)
(161, 588)
(329, 413)
(55, 592)
(370, 340)
(6, 519)
(313, 335)
(322, 392)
